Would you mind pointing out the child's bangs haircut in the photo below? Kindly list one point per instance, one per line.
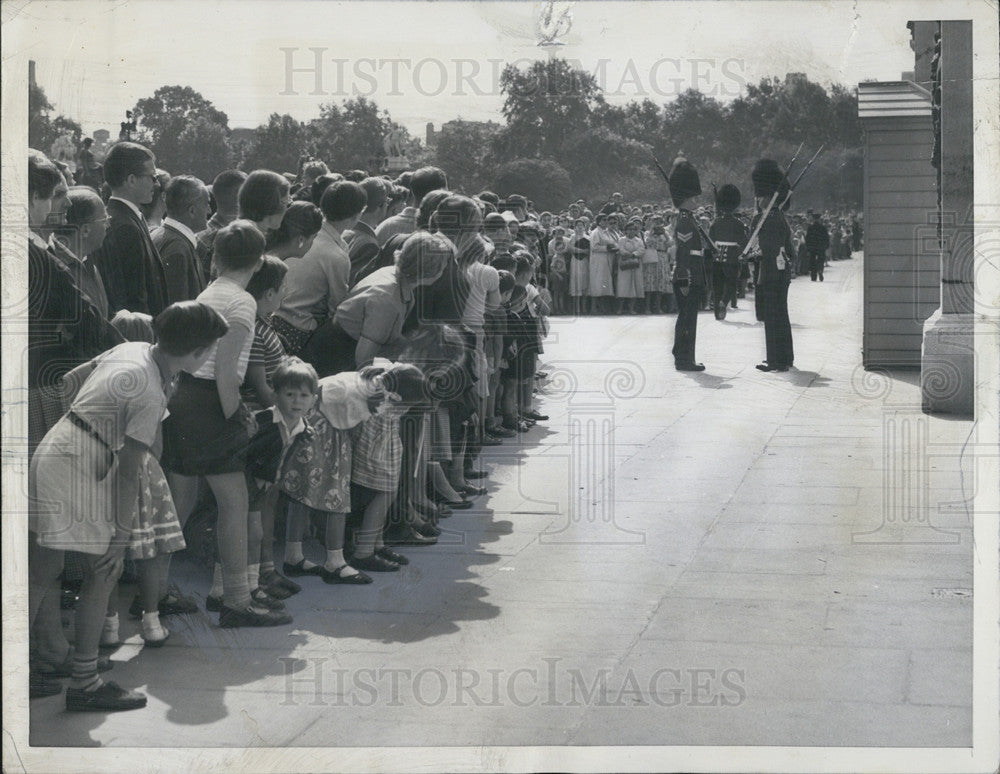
(295, 373)
(186, 326)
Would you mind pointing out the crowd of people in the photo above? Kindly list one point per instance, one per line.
(315, 354)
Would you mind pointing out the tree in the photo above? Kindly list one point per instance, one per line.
(543, 105)
(39, 127)
(696, 124)
(349, 136)
(277, 144)
(203, 149)
(165, 115)
(542, 181)
(43, 131)
(462, 149)
(595, 157)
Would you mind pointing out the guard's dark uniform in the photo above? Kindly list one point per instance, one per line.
(730, 236)
(689, 273)
(689, 264)
(774, 274)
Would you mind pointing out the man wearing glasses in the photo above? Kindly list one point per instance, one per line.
(127, 259)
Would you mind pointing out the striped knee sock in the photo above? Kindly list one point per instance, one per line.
(85, 675)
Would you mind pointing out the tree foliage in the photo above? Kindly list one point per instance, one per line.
(542, 181)
(543, 105)
(44, 130)
(164, 116)
(203, 149)
(462, 149)
(277, 144)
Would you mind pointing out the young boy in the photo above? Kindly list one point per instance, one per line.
(267, 351)
(496, 330)
(535, 309)
(517, 365)
(294, 387)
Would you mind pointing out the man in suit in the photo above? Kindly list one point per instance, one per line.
(817, 242)
(689, 265)
(363, 245)
(128, 260)
(175, 240)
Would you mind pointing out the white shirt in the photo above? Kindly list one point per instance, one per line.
(237, 307)
(131, 205)
(188, 233)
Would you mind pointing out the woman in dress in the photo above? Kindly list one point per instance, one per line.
(603, 245)
(579, 267)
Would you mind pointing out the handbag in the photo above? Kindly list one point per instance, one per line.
(626, 262)
(651, 255)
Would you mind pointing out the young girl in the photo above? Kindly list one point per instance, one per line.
(85, 479)
(209, 427)
(377, 457)
(317, 477)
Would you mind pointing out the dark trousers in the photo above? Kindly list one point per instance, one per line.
(773, 311)
(725, 281)
(686, 327)
(816, 260)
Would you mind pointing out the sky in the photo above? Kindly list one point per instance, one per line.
(433, 61)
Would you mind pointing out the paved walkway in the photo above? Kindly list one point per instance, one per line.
(726, 558)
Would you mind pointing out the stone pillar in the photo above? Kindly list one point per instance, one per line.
(947, 363)
(922, 42)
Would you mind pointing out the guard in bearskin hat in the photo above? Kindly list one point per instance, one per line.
(774, 264)
(689, 264)
(730, 237)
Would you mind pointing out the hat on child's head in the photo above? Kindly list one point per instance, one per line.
(683, 181)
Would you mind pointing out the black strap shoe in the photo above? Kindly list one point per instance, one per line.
(110, 697)
(374, 563)
(407, 537)
(392, 556)
(252, 616)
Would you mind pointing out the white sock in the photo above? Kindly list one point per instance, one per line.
(293, 552)
(109, 633)
(216, 590)
(335, 559)
(151, 622)
(253, 575)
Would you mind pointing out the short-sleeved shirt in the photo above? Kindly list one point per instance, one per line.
(237, 307)
(483, 280)
(377, 308)
(266, 350)
(124, 395)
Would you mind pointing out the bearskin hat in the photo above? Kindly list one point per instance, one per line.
(767, 178)
(727, 198)
(683, 181)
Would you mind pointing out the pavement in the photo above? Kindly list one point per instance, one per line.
(724, 558)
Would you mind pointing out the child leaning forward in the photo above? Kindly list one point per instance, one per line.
(84, 482)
